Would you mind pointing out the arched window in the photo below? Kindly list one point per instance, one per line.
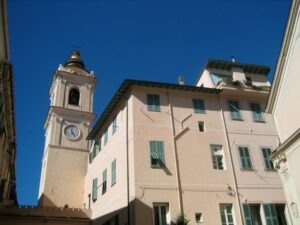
(74, 96)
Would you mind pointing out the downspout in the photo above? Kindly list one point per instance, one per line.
(127, 159)
(231, 161)
(179, 191)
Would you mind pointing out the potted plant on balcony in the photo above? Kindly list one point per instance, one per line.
(181, 220)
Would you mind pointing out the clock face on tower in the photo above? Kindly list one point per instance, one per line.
(72, 132)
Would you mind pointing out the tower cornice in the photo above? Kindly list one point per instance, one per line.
(75, 115)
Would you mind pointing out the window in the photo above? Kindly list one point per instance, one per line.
(198, 217)
(270, 214)
(96, 149)
(74, 96)
(157, 153)
(245, 158)
(267, 158)
(153, 102)
(226, 214)
(252, 214)
(161, 214)
(198, 105)
(256, 112)
(114, 125)
(113, 172)
(95, 188)
(104, 180)
(201, 126)
(105, 136)
(217, 157)
(234, 109)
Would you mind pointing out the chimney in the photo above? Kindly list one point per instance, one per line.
(181, 80)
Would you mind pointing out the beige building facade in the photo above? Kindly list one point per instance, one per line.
(162, 150)
(284, 105)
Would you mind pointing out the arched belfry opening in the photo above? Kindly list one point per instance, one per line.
(74, 96)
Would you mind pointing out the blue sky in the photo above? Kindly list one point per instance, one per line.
(147, 40)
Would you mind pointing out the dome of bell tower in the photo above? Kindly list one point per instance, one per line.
(75, 61)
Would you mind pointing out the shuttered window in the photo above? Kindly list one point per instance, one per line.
(113, 172)
(114, 125)
(256, 112)
(226, 214)
(270, 214)
(247, 214)
(104, 181)
(95, 188)
(234, 109)
(153, 102)
(157, 153)
(198, 105)
(245, 158)
(105, 136)
(267, 158)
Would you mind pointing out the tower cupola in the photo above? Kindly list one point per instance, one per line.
(75, 61)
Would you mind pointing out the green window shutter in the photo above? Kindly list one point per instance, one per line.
(234, 109)
(247, 214)
(153, 102)
(95, 188)
(245, 158)
(104, 180)
(267, 158)
(90, 157)
(157, 153)
(256, 112)
(114, 125)
(113, 172)
(270, 214)
(105, 136)
(198, 105)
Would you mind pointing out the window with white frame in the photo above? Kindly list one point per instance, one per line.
(226, 214)
(217, 155)
(161, 213)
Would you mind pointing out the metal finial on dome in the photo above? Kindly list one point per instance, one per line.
(75, 61)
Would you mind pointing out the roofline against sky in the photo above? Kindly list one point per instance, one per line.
(125, 86)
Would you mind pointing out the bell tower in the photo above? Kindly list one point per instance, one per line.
(68, 122)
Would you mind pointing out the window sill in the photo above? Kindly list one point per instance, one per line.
(235, 119)
(247, 170)
(259, 121)
(103, 192)
(154, 110)
(157, 167)
(270, 170)
(113, 184)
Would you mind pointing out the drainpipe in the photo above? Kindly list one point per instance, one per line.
(231, 161)
(176, 157)
(127, 161)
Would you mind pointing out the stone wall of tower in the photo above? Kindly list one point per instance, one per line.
(67, 125)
